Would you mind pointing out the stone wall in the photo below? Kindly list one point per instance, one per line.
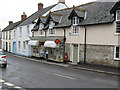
(98, 54)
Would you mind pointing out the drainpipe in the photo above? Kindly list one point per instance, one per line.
(85, 45)
(64, 45)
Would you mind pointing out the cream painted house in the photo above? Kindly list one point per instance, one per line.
(91, 32)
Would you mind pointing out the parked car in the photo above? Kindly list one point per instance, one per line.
(3, 60)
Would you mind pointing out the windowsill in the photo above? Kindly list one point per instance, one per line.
(117, 34)
(117, 59)
(74, 34)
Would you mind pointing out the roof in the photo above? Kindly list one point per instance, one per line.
(92, 13)
(96, 13)
(11, 26)
(115, 7)
(37, 14)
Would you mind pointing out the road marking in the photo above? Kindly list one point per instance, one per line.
(17, 87)
(8, 84)
(64, 76)
(1, 80)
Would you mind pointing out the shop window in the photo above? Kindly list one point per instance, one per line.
(24, 45)
(117, 53)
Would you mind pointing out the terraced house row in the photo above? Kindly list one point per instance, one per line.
(87, 33)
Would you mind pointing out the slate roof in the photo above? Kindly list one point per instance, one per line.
(11, 26)
(38, 13)
(97, 13)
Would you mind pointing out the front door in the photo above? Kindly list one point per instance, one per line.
(75, 53)
(14, 47)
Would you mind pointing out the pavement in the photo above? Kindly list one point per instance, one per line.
(87, 67)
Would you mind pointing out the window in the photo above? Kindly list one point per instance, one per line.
(24, 45)
(75, 20)
(41, 32)
(9, 46)
(14, 33)
(3, 35)
(28, 29)
(117, 53)
(75, 30)
(51, 24)
(6, 35)
(41, 26)
(118, 27)
(10, 35)
(19, 45)
(20, 31)
(51, 31)
(118, 15)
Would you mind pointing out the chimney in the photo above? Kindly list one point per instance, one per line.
(40, 6)
(10, 22)
(62, 1)
(24, 16)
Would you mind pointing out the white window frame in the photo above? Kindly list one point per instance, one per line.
(41, 32)
(28, 27)
(116, 52)
(75, 30)
(75, 20)
(19, 45)
(51, 24)
(20, 29)
(41, 26)
(117, 27)
(117, 15)
(9, 34)
(51, 31)
(14, 33)
(24, 45)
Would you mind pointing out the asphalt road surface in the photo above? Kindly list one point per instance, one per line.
(22, 73)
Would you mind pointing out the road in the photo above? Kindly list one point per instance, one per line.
(22, 73)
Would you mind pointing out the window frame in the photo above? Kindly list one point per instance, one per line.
(117, 15)
(19, 45)
(75, 20)
(51, 31)
(115, 52)
(20, 30)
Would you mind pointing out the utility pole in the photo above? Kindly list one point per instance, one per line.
(85, 45)
(64, 45)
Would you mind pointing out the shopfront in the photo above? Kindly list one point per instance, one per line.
(53, 46)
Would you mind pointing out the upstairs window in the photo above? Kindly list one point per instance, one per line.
(41, 26)
(117, 53)
(51, 31)
(51, 24)
(14, 33)
(28, 29)
(9, 34)
(75, 20)
(20, 31)
(41, 32)
(75, 30)
(118, 15)
(118, 27)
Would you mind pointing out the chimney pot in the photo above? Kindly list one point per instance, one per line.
(40, 6)
(10, 22)
(62, 1)
(24, 16)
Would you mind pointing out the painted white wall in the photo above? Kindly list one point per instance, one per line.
(24, 37)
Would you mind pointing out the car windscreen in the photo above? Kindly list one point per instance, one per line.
(1, 53)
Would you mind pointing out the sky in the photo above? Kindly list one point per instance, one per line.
(11, 10)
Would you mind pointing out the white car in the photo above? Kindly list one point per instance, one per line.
(3, 60)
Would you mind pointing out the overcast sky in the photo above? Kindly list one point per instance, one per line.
(11, 10)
